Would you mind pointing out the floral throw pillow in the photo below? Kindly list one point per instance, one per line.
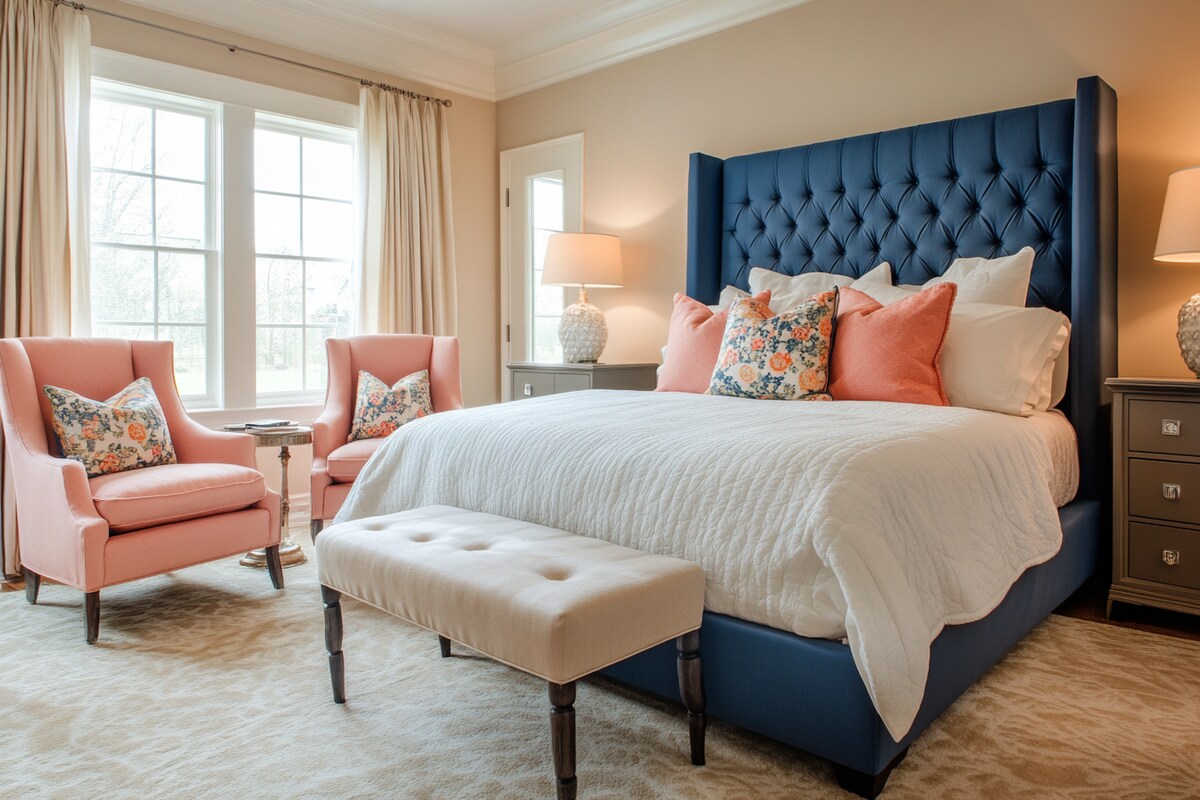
(126, 431)
(379, 410)
(777, 356)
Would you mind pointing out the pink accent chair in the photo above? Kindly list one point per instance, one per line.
(389, 357)
(92, 533)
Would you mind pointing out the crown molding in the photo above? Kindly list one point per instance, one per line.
(352, 35)
(345, 31)
(617, 33)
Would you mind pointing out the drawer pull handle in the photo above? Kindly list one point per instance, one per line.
(1170, 557)
(1170, 427)
(529, 390)
(1171, 491)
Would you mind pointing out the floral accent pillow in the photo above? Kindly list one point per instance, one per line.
(777, 356)
(126, 431)
(379, 410)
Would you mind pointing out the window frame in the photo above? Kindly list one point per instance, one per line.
(157, 99)
(234, 396)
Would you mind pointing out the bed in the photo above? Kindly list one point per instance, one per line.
(915, 197)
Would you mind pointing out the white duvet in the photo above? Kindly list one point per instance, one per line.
(877, 522)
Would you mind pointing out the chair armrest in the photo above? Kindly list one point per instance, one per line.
(196, 444)
(63, 536)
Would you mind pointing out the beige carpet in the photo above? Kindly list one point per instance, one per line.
(208, 684)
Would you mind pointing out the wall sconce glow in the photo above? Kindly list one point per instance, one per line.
(583, 260)
(1179, 242)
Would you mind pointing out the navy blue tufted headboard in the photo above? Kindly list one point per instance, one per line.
(920, 197)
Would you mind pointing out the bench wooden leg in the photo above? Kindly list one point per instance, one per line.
(691, 691)
(444, 643)
(333, 641)
(562, 737)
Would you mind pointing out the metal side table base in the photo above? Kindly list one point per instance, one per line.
(290, 553)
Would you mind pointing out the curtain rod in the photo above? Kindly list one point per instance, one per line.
(237, 48)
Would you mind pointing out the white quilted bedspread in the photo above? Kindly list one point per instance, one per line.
(877, 522)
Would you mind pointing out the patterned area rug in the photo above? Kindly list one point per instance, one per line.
(208, 684)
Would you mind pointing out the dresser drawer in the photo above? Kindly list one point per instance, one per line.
(527, 383)
(1152, 547)
(1149, 418)
(1150, 483)
(565, 382)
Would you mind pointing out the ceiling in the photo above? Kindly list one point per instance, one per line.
(491, 49)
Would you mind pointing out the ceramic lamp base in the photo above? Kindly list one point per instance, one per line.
(583, 333)
(1189, 333)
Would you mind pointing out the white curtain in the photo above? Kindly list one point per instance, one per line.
(406, 230)
(45, 85)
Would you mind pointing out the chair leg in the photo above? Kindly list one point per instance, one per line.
(444, 644)
(562, 738)
(274, 567)
(33, 582)
(91, 613)
(315, 527)
(691, 690)
(332, 599)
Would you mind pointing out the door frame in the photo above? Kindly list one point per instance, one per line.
(506, 157)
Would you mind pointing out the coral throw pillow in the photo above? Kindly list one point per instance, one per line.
(379, 410)
(126, 431)
(693, 344)
(892, 352)
(777, 356)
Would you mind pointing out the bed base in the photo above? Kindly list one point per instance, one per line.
(776, 683)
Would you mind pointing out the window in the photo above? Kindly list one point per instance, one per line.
(546, 195)
(186, 247)
(153, 256)
(303, 235)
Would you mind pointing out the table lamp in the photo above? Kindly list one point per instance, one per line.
(1179, 241)
(583, 260)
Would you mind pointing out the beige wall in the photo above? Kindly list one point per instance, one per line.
(472, 125)
(833, 68)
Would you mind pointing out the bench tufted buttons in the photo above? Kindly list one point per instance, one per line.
(554, 574)
(474, 546)
(420, 537)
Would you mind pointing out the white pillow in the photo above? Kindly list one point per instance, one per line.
(1002, 358)
(728, 295)
(1000, 281)
(789, 291)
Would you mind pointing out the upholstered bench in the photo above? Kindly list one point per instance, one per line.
(541, 600)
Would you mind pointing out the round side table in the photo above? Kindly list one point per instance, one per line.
(290, 553)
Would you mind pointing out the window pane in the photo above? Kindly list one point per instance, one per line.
(123, 331)
(279, 291)
(181, 287)
(329, 296)
(328, 169)
(545, 340)
(122, 285)
(277, 224)
(314, 358)
(328, 229)
(189, 356)
(278, 358)
(547, 203)
(121, 208)
(179, 142)
(180, 213)
(276, 162)
(120, 136)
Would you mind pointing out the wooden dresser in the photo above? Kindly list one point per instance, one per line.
(1156, 493)
(527, 379)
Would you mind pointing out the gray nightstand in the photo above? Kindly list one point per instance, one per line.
(1156, 493)
(527, 379)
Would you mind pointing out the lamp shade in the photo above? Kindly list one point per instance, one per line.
(583, 259)
(1179, 232)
